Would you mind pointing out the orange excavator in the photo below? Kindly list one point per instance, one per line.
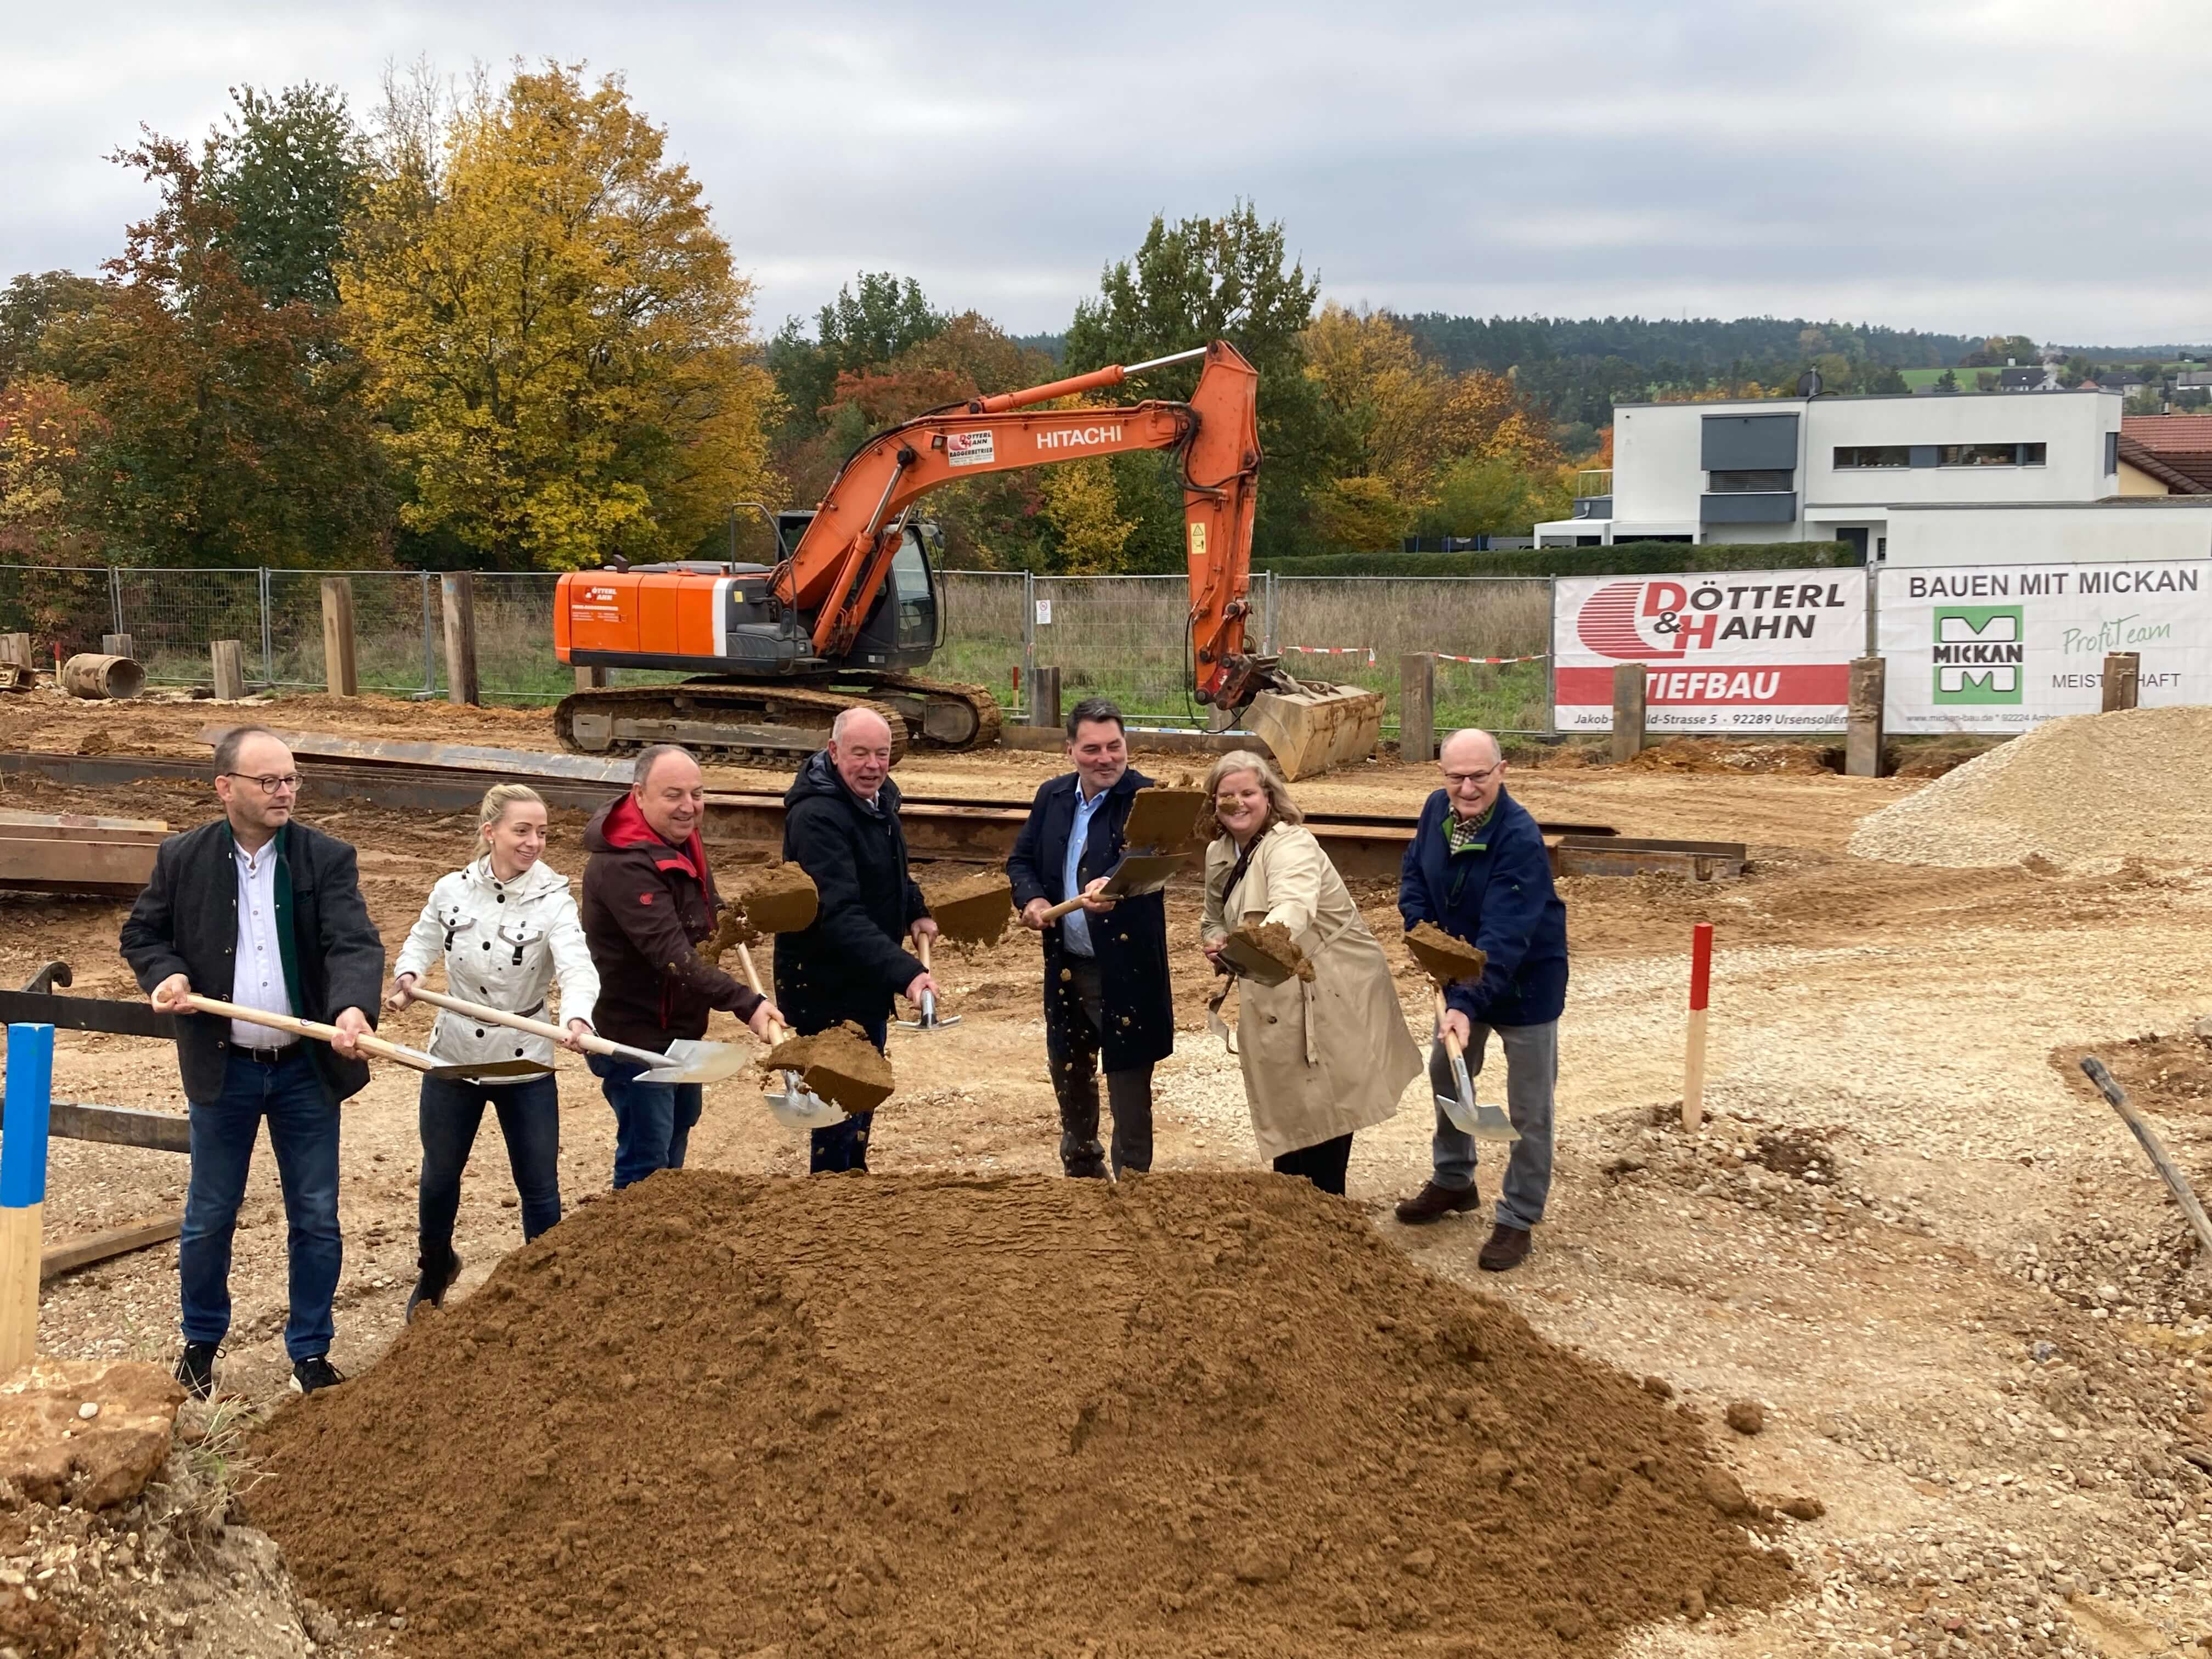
(855, 606)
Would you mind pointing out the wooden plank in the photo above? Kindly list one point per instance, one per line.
(229, 669)
(1630, 682)
(76, 826)
(1417, 707)
(1044, 699)
(30, 865)
(120, 1126)
(117, 1018)
(339, 671)
(459, 589)
(90, 1248)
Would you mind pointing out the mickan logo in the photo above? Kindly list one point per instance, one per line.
(1981, 654)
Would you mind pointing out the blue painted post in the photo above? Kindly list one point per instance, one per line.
(30, 1085)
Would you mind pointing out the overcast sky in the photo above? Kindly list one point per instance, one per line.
(2036, 166)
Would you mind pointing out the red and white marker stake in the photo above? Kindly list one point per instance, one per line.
(1693, 1056)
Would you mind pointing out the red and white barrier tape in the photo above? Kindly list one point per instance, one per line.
(1366, 651)
(1446, 656)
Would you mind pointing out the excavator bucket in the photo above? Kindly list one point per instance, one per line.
(1317, 726)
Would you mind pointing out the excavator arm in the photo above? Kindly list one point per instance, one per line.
(843, 558)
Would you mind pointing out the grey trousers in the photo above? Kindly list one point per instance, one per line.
(1532, 1069)
(1074, 1054)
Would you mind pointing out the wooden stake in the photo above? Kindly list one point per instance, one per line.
(23, 1189)
(1417, 707)
(1693, 1056)
(229, 669)
(459, 589)
(339, 671)
(1630, 683)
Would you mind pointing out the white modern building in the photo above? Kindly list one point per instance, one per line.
(1973, 475)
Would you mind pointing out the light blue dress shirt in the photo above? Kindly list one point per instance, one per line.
(1075, 926)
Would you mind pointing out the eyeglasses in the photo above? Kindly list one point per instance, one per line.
(1457, 779)
(270, 783)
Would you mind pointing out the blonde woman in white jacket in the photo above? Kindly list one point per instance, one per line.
(508, 928)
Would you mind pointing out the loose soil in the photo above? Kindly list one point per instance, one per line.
(1168, 820)
(1270, 943)
(2083, 792)
(840, 1065)
(776, 898)
(970, 910)
(1186, 1415)
(1443, 957)
(2166, 1073)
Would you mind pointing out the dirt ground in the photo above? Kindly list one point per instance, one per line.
(1971, 1317)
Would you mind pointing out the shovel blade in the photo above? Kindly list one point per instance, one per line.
(1483, 1122)
(697, 1061)
(801, 1109)
(507, 1071)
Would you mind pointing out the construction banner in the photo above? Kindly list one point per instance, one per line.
(1999, 648)
(1729, 651)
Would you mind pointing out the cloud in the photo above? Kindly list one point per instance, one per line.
(1917, 163)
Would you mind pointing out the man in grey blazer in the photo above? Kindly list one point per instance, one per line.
(257, 909)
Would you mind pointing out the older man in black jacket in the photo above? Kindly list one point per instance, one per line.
(840, 825)
(1106, 992)
(262, 911)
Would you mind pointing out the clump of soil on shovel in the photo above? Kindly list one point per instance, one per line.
(777, 898)
(971, 911)
(840, 1064)
(1278, 944)
(919, 1415)
(1442, 956)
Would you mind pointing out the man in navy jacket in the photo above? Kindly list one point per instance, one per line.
(1477, 869)
(1106, 993)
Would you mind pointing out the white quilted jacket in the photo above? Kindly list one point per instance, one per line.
(504, 943)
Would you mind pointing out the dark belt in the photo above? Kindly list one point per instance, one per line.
(269, 1056)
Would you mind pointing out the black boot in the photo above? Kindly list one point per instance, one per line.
(433, 1284)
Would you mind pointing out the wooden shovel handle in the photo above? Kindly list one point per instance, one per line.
(593, 1041)
(302, 1028)
(1063, 908)
(1451, 1042)
(776, 1030)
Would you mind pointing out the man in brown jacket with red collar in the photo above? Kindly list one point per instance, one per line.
(649, 899)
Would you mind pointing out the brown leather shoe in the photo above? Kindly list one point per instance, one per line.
(1508, 1247)
(1434, 1203)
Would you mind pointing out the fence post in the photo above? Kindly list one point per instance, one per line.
(1029, 632)
(1043, 696)
(2123, 679)
(115, 598)
(429, 640)
(1270, 617)
(340, 672)
(23, 1125)
(268, 632)
(1862, 719)
(459, 588)
(116, 645)
(590, 679)
(1551, 657)
(16, 649)
(229, 669)
(1630, 680)
(1417, 707)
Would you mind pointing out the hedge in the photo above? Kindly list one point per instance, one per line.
(1621, 559)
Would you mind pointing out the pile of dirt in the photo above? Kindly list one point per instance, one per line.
(1705, 756)
(840, 1065)
(971, 910)
(2084, 793)
(920, 1415)
(1442, 956)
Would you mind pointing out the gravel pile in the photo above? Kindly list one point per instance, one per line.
(2085, 794)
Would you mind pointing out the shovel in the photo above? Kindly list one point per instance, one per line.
(1135, 876)
(929, 1020)
(795, 1107)
(413, 1059)
(1482, 1122)
(688, 1061)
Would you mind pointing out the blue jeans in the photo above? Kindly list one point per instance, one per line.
(844, 1146)
(1532, 1068)
(653, 1120)
(451, 1112)
(303, 1132)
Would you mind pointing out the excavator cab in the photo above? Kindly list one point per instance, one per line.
(906, 625)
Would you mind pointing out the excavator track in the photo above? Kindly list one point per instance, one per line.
(772, 721)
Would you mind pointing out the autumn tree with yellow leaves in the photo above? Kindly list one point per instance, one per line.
(558, 336)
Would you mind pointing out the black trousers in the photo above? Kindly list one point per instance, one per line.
(1323, 1163)
(1073, 1031)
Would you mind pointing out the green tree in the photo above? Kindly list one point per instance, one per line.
(29, 303)
(1199, 280)
(290, 168)
(231, 431)
(557, 328)
(1494, 495)
(854, 332)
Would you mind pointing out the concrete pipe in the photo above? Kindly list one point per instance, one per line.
(90, 675)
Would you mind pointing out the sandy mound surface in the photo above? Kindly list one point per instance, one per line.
(1184, 1415)
(2085, 792)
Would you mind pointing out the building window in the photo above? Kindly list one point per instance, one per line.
(1756, 482)
(1857, 455)
(1990, 455)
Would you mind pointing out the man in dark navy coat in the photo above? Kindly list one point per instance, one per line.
(1106, 999)
(1477, 868)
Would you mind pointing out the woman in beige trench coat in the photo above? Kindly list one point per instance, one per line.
(1322, 1058)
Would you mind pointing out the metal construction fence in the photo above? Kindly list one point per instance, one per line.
(1117, 636)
